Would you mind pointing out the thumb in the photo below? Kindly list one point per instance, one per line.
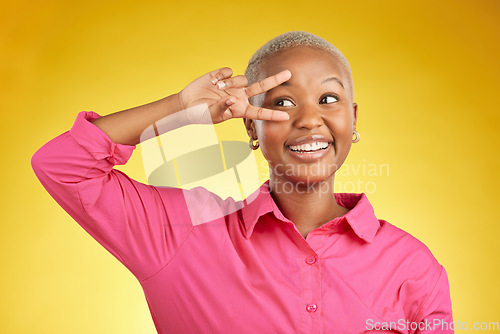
(220, 111)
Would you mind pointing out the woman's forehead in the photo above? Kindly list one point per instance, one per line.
(305, 62)
(298, 57)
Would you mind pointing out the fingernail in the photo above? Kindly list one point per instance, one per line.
(214, 80)
(221, 84)
(229, 102)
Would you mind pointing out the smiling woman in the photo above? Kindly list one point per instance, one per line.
(307, 149)
(293, 257)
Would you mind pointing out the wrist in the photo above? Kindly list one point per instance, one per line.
(180, 104)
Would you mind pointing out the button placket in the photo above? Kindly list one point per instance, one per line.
(311, 282)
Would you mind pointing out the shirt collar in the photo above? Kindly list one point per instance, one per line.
(361, 217)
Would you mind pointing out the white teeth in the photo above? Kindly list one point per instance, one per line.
(309, 147)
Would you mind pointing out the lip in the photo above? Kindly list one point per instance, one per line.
(308, 140)
(309, 157)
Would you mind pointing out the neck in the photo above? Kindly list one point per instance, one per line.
(307, 206)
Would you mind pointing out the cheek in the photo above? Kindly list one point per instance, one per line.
(342, 125)
(271, 136)
(342, 128)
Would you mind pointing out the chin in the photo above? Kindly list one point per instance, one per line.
(310, 179)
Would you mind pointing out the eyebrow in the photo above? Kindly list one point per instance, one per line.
(287, 83)
(333, 79)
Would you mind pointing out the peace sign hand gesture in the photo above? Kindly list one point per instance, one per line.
(227, 96)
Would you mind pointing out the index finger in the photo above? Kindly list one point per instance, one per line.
(245, 110)
(268, 83)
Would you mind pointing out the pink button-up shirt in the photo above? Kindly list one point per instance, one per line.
(250, 271)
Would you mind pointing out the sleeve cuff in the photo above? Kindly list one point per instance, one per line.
(97, 142)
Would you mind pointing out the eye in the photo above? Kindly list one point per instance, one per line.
(284, 103)
(328, 99)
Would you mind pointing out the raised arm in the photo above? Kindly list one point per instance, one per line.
(140, 225)
(212, 98)
(126, 217)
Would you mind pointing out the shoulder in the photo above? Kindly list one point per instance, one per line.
(199, 203)
(389, 233)
(423, 283)
(408, 251)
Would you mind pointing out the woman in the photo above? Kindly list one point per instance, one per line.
(295, 257)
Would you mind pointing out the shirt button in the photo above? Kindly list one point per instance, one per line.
(311, 260)
(311, 307)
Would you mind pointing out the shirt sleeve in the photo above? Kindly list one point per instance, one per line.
(435, 313)
(136, 224)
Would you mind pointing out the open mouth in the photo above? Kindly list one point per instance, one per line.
(309, 148)
(310, 151)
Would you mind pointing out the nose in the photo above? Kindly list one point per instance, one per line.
(308, 117)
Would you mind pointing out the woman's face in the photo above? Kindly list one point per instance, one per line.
(315, 141)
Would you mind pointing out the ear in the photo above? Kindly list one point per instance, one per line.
(355, 114)
(250, 126)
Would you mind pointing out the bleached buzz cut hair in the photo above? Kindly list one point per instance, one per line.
(289, 40)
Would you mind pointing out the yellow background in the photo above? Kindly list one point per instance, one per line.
(425, 75)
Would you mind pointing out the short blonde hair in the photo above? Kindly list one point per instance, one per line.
(289, 40)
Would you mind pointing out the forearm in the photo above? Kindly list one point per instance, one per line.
(127, 126)
(125, 216)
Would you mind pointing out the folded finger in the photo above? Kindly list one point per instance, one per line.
(220, 74)
(268, 83)
(222, 105)
(237, 81)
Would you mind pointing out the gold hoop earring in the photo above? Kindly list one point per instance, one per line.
(252, 145)
(355, 133)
